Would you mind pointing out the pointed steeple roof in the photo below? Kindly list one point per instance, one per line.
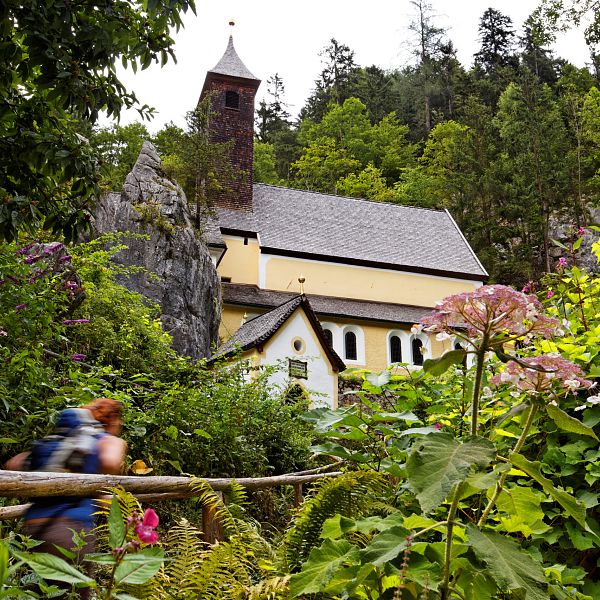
(231, 64)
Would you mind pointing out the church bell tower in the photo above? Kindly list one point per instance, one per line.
(233, 88)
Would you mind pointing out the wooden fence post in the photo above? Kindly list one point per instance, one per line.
(298, 495)
(212, 527)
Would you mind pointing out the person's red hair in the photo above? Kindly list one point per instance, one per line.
(105, 410)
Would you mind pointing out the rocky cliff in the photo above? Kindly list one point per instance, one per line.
(179, 273)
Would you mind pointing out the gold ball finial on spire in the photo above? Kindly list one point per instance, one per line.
(301, 281)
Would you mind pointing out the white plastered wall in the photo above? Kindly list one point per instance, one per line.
(322, 381)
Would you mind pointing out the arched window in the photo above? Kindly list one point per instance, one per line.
(395, 349)
(295, 393)
(328, 336)
(232, 100)
(417, 354)
(350, 345)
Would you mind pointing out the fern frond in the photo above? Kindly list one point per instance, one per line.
(348, 494)
(208, 497)
(274, 588)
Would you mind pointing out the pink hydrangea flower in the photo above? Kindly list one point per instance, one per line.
(552, 371)
(145, 529)
(498, 312)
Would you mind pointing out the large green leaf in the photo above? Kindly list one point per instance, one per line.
(116, 527)
(568, 423)
(574, 507)
(321, 566)
(438, 366)
(386, 546)
(48, 566)
(140, 567)
(438, 462)
(325, 419)
(511, 568)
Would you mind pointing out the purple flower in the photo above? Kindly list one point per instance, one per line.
(78, 357)
(65, 258)
(526, 289)
(581, 231)
(70, 285)
(26, 249)
(32, 258)
(53, 248)
(550, 294)
(75, 321)
(562, 261)
(20, 307)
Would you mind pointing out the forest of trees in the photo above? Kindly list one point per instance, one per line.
(505, 145)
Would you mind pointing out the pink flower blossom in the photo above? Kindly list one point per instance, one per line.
(496, 311)
(581, 231)
(438, 426)
(78, 357)
(562, 262)
(145, 529)
(552, 371)
(550, 294)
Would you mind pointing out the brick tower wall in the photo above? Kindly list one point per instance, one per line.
(237, 125)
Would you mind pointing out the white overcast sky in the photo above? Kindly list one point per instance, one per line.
(275, 36)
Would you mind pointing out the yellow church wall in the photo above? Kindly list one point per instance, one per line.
(375, 336)
(231, 320)
(365, 283)
(240, 261)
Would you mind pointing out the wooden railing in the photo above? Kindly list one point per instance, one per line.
(32, 484)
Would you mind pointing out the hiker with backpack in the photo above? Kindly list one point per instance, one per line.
(85, 440)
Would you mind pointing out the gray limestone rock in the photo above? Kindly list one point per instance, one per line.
(180, 275)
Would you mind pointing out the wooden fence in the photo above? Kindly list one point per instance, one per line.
(30, 484)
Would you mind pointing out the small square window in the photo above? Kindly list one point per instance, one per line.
(232, 100)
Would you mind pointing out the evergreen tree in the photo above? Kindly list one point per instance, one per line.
(272, 115)
(497, 38)
(203, 168)
(334, 83)
(428, 43)
(535, 55)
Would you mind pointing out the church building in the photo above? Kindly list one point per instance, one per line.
(367, 270)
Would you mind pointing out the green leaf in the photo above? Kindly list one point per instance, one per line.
(577, 243)
(321, 566)
(379, 379)
(438, 462)
(48, 566)
(511, 568)
(140, 567)
(573, 507)
(116, 527)
(568, 423)
(438, 366)
(386, 546)
(560, 245)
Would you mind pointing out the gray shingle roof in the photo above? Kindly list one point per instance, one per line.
(231, 64)
(324, 306)
(302, 223)
(257, 331)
